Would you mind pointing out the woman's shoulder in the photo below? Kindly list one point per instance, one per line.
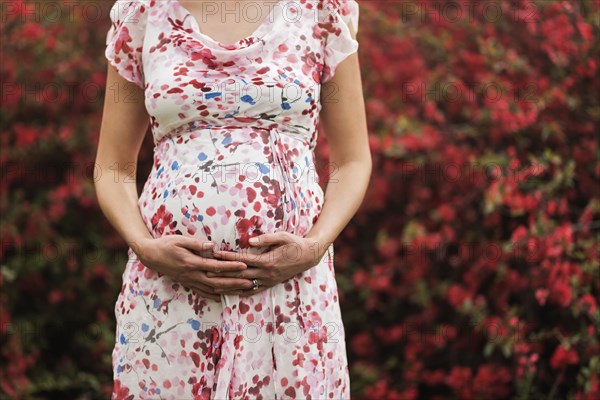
(125, 38)
(132, 3)
(339, 25)
(129, 11)
(338, 7)
(129, 15)
(338, 11)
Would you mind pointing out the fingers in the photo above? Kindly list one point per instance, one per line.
(241, 274)
(207, 263)
(195, 244)
(256, 260)
(220, 284)
(267, 239)
(245, 293)
(248, 273)
(211, 264)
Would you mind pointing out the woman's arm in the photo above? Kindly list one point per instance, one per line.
(344, 120)
(124, 124)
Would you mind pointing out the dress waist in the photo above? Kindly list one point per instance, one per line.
(281, 129)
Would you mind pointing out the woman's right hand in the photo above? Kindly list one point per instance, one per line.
(181, 259)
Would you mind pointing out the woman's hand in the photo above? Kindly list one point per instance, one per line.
(184, 260)
(289, 255)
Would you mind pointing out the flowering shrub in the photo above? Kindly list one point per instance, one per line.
(471, 270)
(474, 271)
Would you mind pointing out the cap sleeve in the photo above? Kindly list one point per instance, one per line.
(125, 39)
(339, 42)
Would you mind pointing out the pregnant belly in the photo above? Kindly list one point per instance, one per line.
(225, 186)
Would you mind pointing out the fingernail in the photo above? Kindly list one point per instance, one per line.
(208, 245)
(253, 240)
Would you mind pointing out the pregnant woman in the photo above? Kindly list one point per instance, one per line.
(229, 291)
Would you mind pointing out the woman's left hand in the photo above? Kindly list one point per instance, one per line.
(289, 255)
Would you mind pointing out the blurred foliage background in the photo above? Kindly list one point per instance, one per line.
(470, 272)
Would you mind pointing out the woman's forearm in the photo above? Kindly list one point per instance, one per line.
(343, 196)
(117, 195)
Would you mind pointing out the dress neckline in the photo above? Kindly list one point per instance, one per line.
(254, 37)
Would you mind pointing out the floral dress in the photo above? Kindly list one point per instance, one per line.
(234, 129)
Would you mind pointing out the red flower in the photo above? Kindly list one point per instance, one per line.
(457, 295)
(587, 302)
(362, 344)
(563, 357)
(561, 293)
(460, 381)
(32, 31)
(492, 382)
(446, 213)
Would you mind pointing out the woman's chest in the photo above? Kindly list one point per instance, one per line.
(275, 77)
